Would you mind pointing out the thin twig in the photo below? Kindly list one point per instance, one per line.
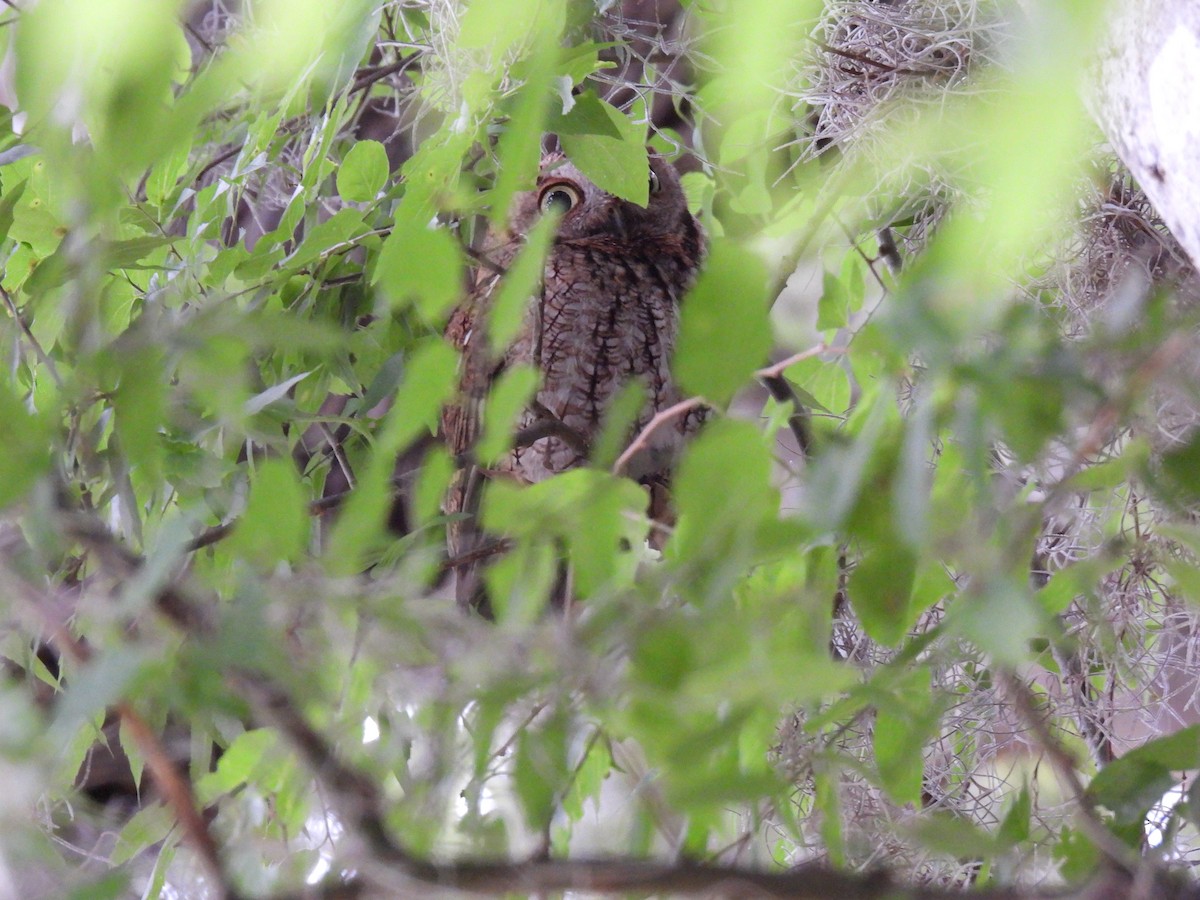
(1064, 765)
(660, 418)
(41, 354)
(776, 369)
(368, 77)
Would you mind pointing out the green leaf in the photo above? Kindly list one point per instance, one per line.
(622, 412)
(140, 405)
(590, 773)
(110, 886)
(1014, 828)
(1129, 786)
(618, 165)
(132, 49)
(582, 60)
(433, 480)
(881, 590)
(724, 331)
(429, 382)
(275, 525)
(505, 401)
(340, 228)
(541, 770)
(728, 509)
(903, 725)
(520, 146)
(149, 826)
(239, 764)
(823, 384)
(25, 452)
(593, 513)
(664, 655)
(164, 177)
(1178, 478)
(589, 115)
(1002, 619)
(833, 309)
(363, 172)
(953, 835)
(8, 202)
(520, 281)
(422, 265)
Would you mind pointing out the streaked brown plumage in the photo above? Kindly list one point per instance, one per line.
(607, 312)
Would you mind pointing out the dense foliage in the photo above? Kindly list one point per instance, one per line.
(926, 642)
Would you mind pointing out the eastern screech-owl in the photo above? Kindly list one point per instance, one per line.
(607, 312)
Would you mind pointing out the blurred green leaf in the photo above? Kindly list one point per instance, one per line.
(507, 398)
(25, 453)
(881, 588)
(140, 404)
(249, 752)
(274, 527)
(428, 384)
(541, 769)
(363, 172)
(618, 165)
(520, 281)
(420, 264)
(724, 332)
(589, 776)
(1129, 786)
(833, 309)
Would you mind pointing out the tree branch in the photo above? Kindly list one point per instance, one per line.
(359, 803)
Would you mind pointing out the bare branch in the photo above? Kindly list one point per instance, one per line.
(660, 418)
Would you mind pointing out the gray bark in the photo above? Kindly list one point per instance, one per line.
(1147, 100)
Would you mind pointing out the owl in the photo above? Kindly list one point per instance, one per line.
(606, 312)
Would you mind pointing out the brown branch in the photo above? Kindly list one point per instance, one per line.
(800, 420)
(177, 791)
(551, 426)
(174, 787)
(369, 76)
(217, 160)
(360, 804)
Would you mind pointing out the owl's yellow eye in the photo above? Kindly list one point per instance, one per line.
(560, 197)
(655, 184)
